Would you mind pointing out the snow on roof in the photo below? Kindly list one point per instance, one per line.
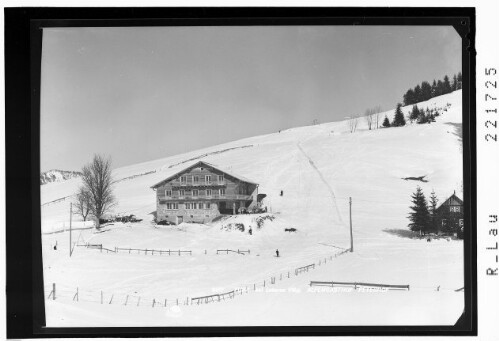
(239, 177)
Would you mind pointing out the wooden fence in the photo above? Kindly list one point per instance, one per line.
(241, 252)
(304, 268)
(360, 284)
(213, 298)
(153, 251)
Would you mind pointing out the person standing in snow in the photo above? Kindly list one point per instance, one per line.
(277, 252)
(250, 231)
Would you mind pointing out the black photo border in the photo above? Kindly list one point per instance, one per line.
(23, 41)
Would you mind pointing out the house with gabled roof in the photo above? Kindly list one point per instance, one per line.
(202, 192)
(451, 215)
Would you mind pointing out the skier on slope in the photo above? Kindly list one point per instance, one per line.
(277, 252)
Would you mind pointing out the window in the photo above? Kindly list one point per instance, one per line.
(168, 193)
(196, 178)
(187, 205)
(242, 189)
(172, 206)
(444, 222)
(183, 179)
(222, 191)
(461, 222)
(181, 192)
(195, 192)
(207, 178)
(455, 209)
(193, 205)
(200, 205)
(208, 192)
(208, 205)
(220, 178)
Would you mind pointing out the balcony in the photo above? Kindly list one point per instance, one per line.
(244, 197)
(199, 183)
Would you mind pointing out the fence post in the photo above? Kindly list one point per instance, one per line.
(179, 252)
(146, 252)
(165, 302)
(115, 249)
(153, 302)
(205, 252)
(129, 250)
(288, 274)
(53, 291)
(101, 248)
(254, 287)
(264, 283)
(177, 301)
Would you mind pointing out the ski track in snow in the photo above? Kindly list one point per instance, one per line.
(333, 197)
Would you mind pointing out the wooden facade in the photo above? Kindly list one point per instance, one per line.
(451, 215)
(202, 192)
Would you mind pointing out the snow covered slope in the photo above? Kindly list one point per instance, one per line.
(318, 168)
(56, 175)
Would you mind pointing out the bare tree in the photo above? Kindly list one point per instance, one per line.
(97, 182)
(353, 122)
(377, 116)
(82, 203)
(368, 116)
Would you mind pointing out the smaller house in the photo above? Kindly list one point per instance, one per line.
(451, 215)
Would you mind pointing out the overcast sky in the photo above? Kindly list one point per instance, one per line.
(140, 94)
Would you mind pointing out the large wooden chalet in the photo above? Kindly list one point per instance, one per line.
(202, 192)
(451, 215)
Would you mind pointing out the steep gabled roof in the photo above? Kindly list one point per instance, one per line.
(199, 163)
(452, 200)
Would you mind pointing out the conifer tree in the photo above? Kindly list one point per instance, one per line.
(386, 122)
(418, 95)
(433, 211)
(454, 83)
(420, 216)
(409, 97)
(447, 87)
(440, 88)
(422, 118)
(414, 114)
(459, 80)
(425, 91)
(398, 119)
(434, 89)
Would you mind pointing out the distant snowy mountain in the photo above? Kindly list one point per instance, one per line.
(56, 175)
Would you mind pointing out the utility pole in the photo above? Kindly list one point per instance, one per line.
(351, 233)
(70, 230)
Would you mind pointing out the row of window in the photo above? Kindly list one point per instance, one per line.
(195, 178)
(195, 192)
(189, 206)
(444, 222)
